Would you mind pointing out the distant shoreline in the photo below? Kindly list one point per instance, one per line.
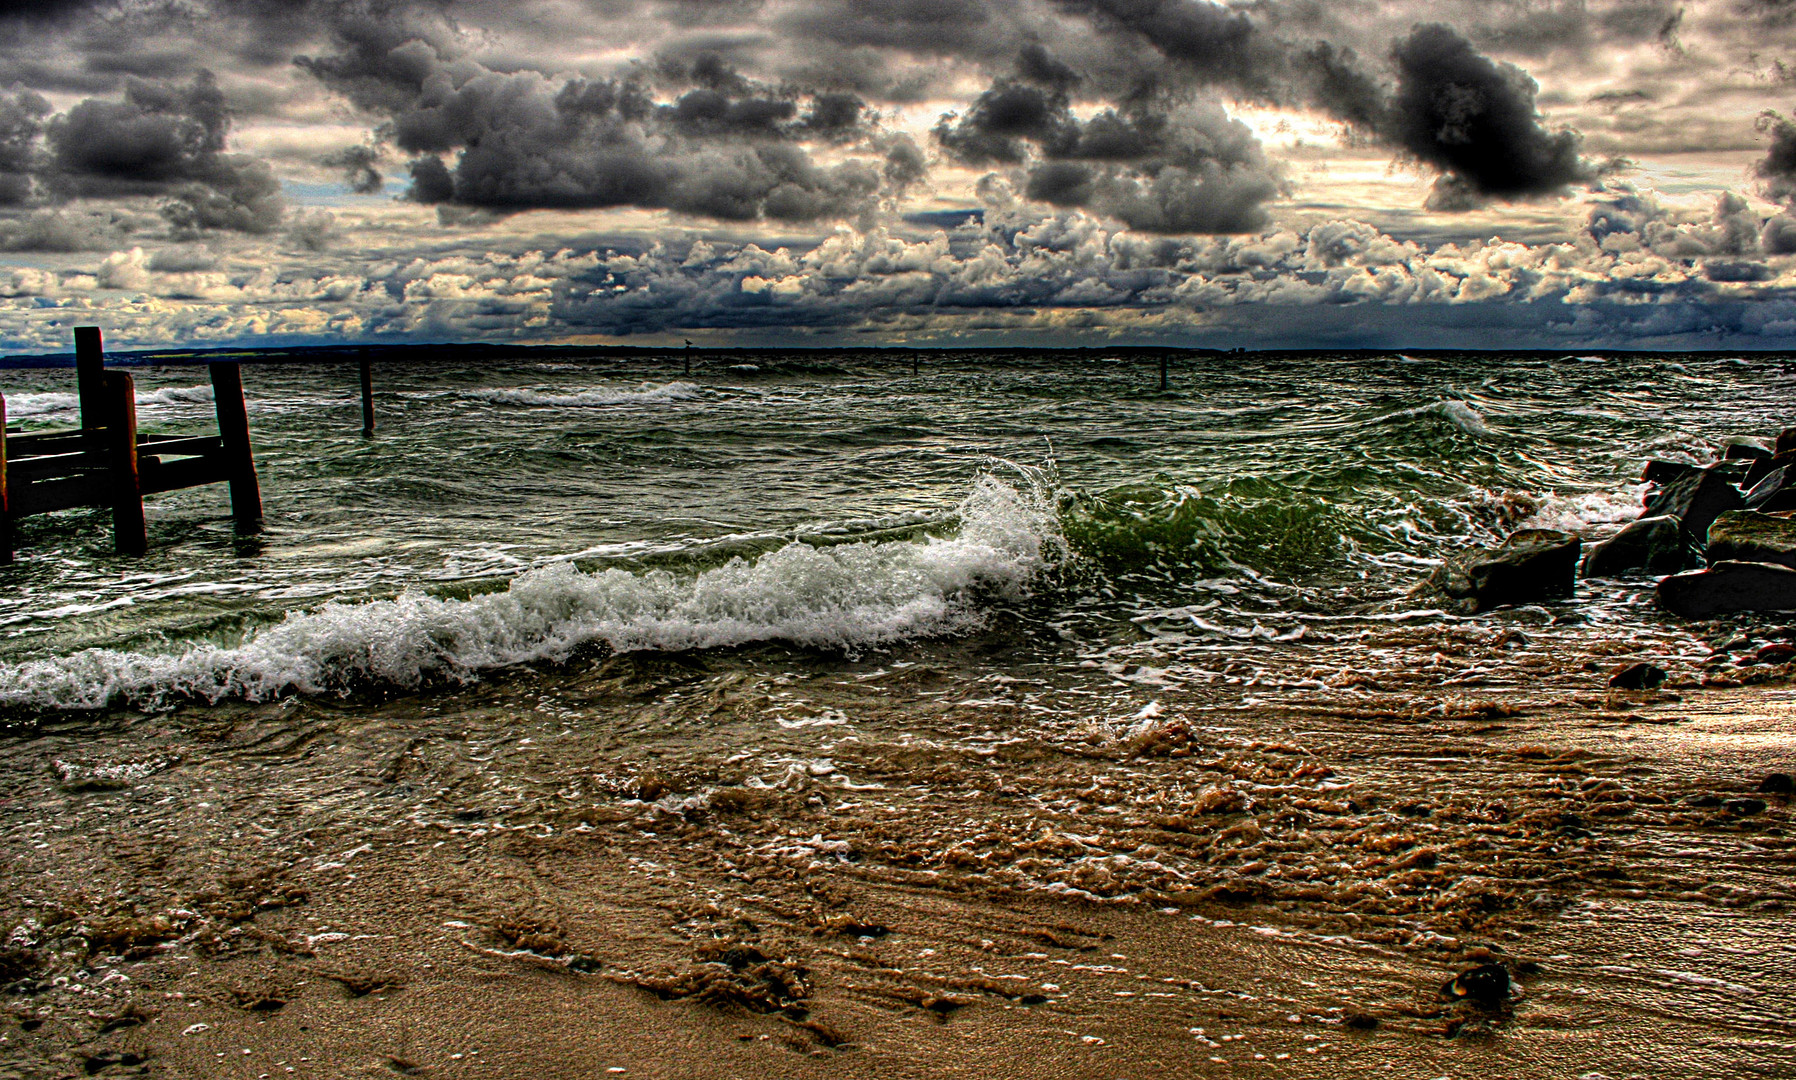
(441, 352)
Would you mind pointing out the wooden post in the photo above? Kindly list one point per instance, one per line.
(914, 362)
(90, 362)
(1162, 371)
(5, 508)
(367, 398)
(689, 358)
(129, 537)
(233, 428)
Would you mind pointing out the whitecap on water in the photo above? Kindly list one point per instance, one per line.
(845, 596)
(598, 395)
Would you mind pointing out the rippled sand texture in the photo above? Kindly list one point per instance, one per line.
(970, 858)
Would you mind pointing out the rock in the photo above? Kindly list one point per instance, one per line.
(1485, 985)
(1705, 801)
(1745, 449)
(1640, 676)
(1664, 472)
(1766, 466)
(1778, 783)
(1654, 544)
(1533, 564)
(1359, 1021)
(1786, 441)
(1695, 498)
(1727, 587)
(1753, 536)
(1778, 652)
(1775, 492)
(1744, 807)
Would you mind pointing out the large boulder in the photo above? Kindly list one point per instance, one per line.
(1695, 498)
(1764, 467)
(1532, 565)
(1654, 544)
(1742, 448)
(1776, 491)
(1786, 441)
(1729, 587)
(1663, 472)
(1754, 536)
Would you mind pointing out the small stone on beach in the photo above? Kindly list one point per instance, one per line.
(1485, 985)
(1639, 676)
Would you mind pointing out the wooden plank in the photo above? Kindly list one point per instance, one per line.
(176, 446)
(61, 493)
(90, 363)
(49, 467)
(233, 428)
(129, 535)
(158, 475)
(46, 442)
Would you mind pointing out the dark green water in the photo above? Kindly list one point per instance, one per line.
(524, 511)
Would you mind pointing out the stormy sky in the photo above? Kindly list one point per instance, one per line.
(1300, 173)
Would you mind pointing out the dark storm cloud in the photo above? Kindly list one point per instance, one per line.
(21, 119)
(729, 148)
(1777, 169)
(163, 140)
(358, 165)
(1476, 121)
(1184, 168)
(926, 26)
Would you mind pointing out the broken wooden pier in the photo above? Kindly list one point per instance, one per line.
(106, 463)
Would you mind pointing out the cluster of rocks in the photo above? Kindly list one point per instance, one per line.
(1724, 534)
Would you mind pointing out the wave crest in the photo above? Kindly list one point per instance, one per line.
(845, 596)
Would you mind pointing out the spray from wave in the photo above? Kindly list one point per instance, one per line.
(1457, 413)
(846, 596)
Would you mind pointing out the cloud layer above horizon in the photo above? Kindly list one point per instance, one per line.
(1277, 173)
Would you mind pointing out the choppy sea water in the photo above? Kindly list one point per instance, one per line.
(530, 511)
(1015, 624)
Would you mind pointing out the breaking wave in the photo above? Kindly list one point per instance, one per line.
(1457, 413)
(844, 596)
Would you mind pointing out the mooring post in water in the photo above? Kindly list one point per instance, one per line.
(1162, 371)
(689, 358)
(914, 364)
(367, 398)
(5, 510)
(90, 365)
(129, 536)
(233, 431)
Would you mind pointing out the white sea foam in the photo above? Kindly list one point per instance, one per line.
(1454, 411)
(1575, 513)
(21, 405)
(598, 395)
(176, 395)
(844, 596)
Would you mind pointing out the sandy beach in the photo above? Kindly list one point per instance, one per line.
(911, 870)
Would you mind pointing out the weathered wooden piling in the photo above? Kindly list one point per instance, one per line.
(5, 507)
(239, 459)
(367, 397)
(90, 377)
(1162, 371)
(124, 484)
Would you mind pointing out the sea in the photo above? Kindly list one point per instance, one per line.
(519, 512)
(993, 647)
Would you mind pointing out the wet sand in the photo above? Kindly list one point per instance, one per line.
(940, 861)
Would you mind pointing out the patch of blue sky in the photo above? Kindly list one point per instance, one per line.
(305, 193)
